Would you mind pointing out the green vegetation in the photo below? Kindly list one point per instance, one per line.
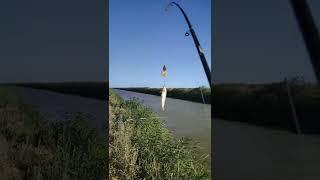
(268, 105)
(141, 147)
(32, 147)
(189, 94)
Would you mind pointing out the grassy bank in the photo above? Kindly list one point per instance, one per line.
(141, 147)
(95, 90)
(189, 94)
(32, 147)
(268, 105)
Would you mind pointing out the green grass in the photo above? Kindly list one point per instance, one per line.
(32, 147)
(141, 147)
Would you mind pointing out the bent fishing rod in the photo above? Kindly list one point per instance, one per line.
(196, 42)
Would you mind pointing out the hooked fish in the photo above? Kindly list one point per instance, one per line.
(163, 97)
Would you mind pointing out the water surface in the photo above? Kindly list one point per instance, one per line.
(54, 105)
(243, 151)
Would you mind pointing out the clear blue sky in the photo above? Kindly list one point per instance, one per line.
(143, 38)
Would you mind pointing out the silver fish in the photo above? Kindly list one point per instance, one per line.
(163, 97)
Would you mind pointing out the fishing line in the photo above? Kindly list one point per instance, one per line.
(201, 93)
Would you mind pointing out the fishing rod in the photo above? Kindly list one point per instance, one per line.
(196, 42)
(309, 32)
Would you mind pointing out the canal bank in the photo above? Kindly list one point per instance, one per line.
(183, 118)
(136, 132)
(34, 146)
